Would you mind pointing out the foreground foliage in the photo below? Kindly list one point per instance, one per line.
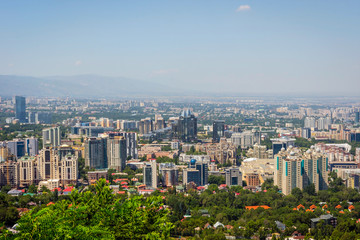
(97, 216)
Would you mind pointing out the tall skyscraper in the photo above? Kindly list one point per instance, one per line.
(51, 137)
(95, 153)
(357, 117)
(146, 126)
(233, 177)
(218, 130)
(116, 152)
(20, 109)
(150, 174)
(187, 126)
(296, 168)
(131, 142)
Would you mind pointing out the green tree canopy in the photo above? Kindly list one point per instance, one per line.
(98, 216)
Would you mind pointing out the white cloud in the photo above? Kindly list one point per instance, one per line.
(243, 8)
(78, 63)
(164, 71)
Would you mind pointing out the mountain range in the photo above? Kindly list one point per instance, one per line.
(80, 86)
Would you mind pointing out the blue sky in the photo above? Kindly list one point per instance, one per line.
(239, 46)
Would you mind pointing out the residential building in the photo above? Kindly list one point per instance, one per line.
(9, 174)
(51, 137)
(146, 126)
(169, 174)
(116, 152)
(296, 168)
(4, 153)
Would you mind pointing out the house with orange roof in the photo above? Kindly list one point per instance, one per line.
(338, 206)
(300, 206)
(351, 207)
(342, 212)
(313, 207)
(256, 207)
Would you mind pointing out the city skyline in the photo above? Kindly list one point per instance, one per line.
(234, 46)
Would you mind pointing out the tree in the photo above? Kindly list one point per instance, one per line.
(32, 188)
(98, 216)
(310, 189)
(6, 188)
(216, 180)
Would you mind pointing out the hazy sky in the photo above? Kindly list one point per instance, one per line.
(223, 45)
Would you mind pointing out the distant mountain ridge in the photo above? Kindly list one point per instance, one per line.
(79, 86)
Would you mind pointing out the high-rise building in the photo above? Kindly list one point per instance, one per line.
(48, 165)
(309, 122)
(169, 174)
(245, 139)
(145, 126)
(233, 177)
(218, 130)
(51, 137)
(43, 117)
(196, 172)
(357, 117)
(31, 146)
(296, 168)
(9, 174)
(131, 142)
(306, 133)
(95, 153)
(150, 174)
(16, 147)
(4, 153)
(187, 126)
(116, 152)
(159, 122)
(20, 109)
(28, 171)
(279, 143)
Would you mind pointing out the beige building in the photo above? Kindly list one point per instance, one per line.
(4, 153)
(46, 166)
(28, 171)
(296, 168)
(222, 152)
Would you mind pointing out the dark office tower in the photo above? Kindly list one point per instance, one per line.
(20, 109)
(218, 130)
(187, 127)
(196, 172)
(95, 153)
(357, 117)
